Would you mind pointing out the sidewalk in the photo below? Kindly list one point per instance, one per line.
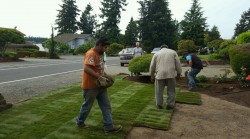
(209, 71)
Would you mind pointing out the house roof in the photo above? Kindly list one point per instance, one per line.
(68, 37)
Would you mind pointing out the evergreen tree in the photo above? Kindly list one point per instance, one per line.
(111, 13)
(243, 25)
(194, 24)
(66, 19)
(87, 21)
(156, 24)
(131, 33)
(214, 34)
(52, 52)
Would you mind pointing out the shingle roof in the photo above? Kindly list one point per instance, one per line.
(68, 37)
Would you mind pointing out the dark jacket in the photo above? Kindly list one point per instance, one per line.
(196, 62)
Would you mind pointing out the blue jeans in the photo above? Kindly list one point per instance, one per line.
(191, 77)
(104, 103)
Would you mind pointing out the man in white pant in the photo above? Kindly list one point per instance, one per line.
(164, 68)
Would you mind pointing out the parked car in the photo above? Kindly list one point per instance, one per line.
(155, 50)
(126, 55)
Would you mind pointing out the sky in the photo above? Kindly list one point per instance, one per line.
(35, 17)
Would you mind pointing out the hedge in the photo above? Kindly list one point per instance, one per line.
(239, 57)
(140, 64)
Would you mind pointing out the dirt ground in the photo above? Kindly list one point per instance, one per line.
(224, 114)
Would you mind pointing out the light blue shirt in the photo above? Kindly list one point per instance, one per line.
(188, 57)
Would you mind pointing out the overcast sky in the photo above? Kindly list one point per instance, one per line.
(35, 17)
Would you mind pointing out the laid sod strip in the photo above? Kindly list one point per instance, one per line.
(188, 98)
(154, 118)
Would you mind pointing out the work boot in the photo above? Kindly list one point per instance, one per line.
(115, 129)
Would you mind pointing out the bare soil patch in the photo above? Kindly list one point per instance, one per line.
(224, 113)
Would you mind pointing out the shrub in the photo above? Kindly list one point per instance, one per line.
(215, 44)
(201, 78)
(243, 38)
(239, 57)
(140, 63)
(30, 50)
(21, 54)
(11, 54)
(40, 54)
(82, 49)
(59, 46)
(227, 43)
(9, 36)
(114, 49)
(187, 45)
(223, 53)
(222, 77)
(224, 48)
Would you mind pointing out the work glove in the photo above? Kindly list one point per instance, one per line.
(104, 81)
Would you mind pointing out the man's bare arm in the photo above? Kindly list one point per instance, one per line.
(90, 71)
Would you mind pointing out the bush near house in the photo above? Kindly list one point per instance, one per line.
(60, 47)
(40, 54)
(114, 49)
(140, 64)
(239, 57)
(9, 36)
(22, 54)
(82, 49)
(243, 38)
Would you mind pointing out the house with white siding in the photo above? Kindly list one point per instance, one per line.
(74, 40)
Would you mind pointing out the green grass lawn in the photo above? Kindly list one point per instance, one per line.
(52, 116)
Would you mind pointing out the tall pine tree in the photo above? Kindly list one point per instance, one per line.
(214, 34)
(156, 25)
(66, 19)
(111, 13)
(131, 33)
(87, 21)
(194, 24)
(243, 25)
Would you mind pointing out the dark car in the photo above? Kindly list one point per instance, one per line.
(126, 55)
